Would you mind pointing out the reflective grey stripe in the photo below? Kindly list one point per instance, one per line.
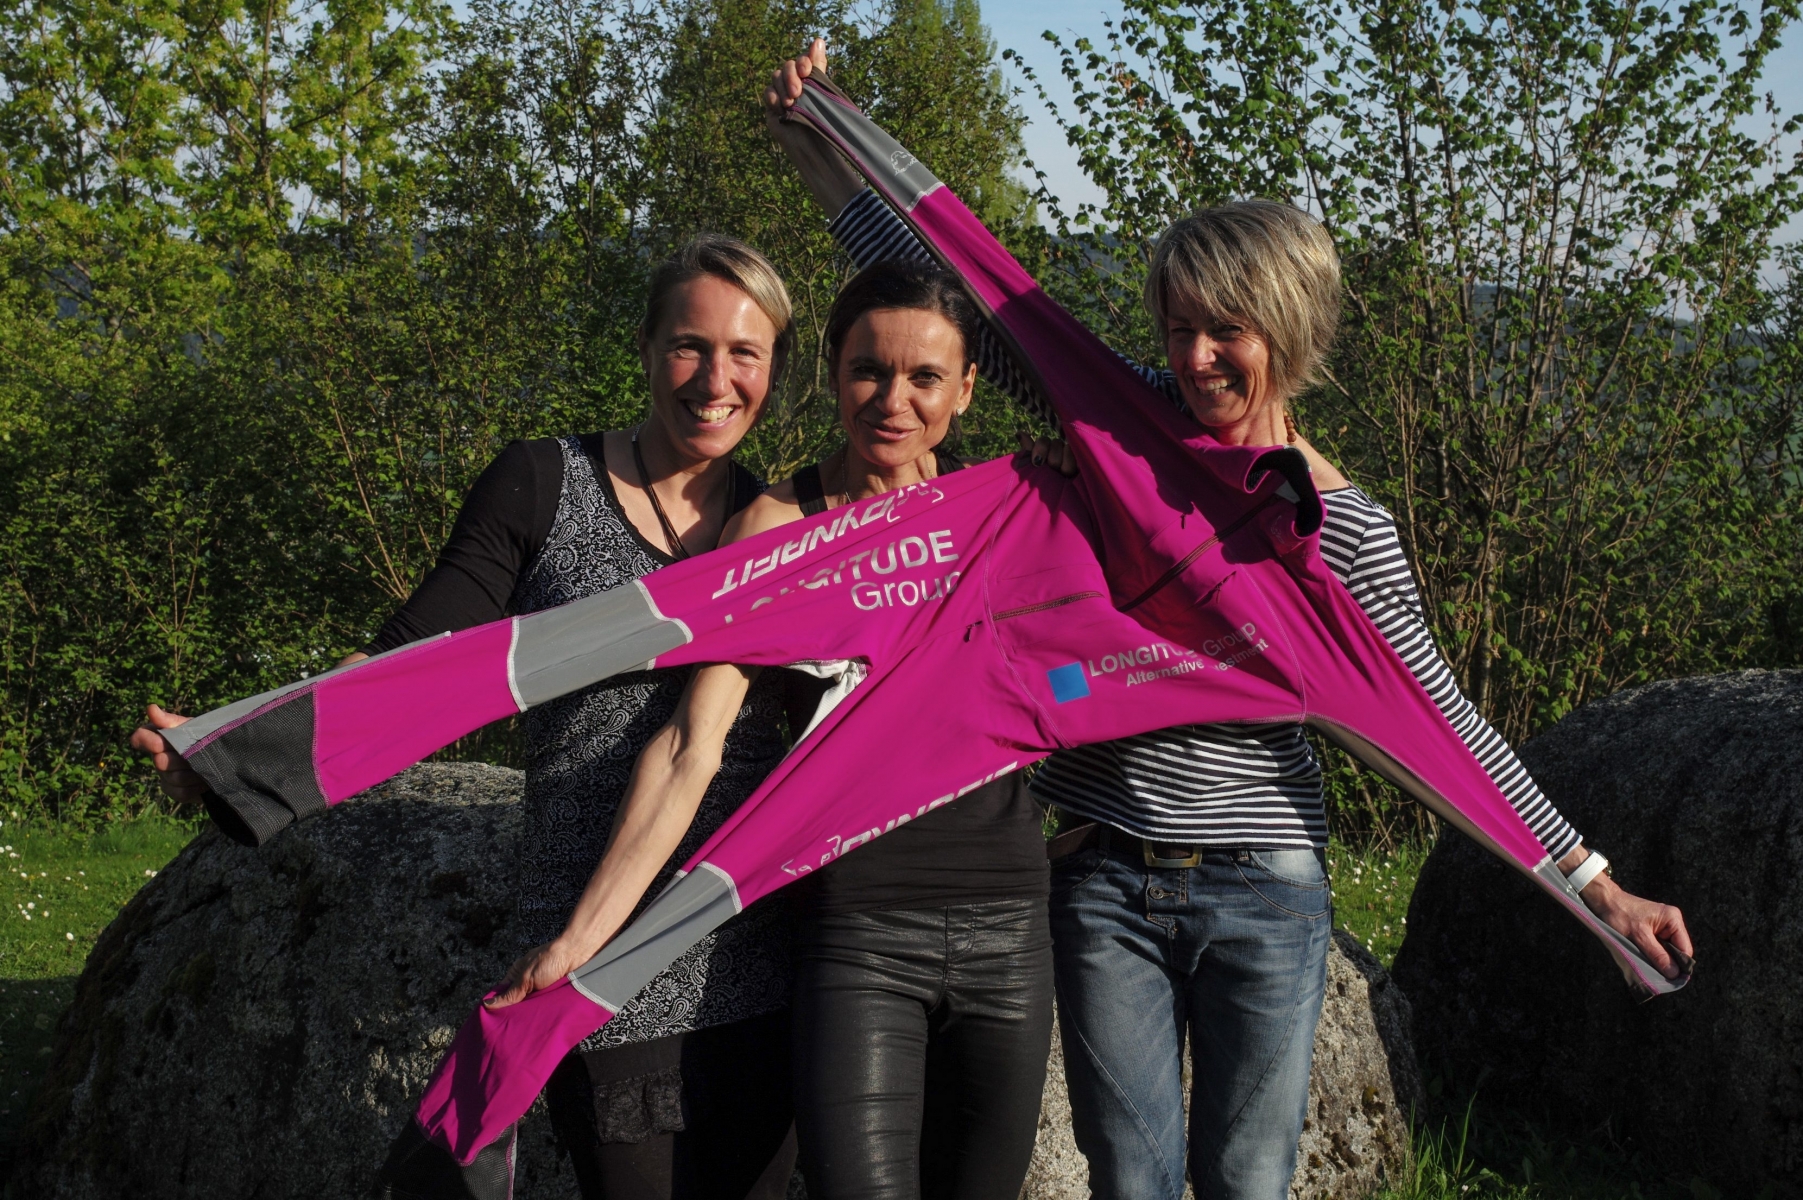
(513, 686)
(689, 908)
(186, 735)
(572, 646)
(886, 162)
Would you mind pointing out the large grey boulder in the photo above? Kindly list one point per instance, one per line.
(1694, 789)
(1362, 1092)
(259, 1023)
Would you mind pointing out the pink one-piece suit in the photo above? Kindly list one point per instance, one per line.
(1003, 612)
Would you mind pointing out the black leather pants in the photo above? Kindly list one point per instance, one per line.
(920, 1042)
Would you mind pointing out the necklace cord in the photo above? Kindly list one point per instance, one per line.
(677, 550)
(844, 477)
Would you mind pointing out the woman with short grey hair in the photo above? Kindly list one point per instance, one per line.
(1190, 899)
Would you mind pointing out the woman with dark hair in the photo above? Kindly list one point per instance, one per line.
(686, 1092)
(923, 991)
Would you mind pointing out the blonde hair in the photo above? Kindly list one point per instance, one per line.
(1270, 265)
(731, 261)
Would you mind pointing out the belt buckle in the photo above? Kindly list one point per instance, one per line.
(1192, 859)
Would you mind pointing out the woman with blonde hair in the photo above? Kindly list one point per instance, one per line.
(686, 1092)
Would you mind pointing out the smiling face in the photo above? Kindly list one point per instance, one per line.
(900, 378)
(709, 366)
(1223, 370)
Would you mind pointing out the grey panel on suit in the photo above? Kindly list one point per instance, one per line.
(891, 164)
(691, 907)
(561, 650)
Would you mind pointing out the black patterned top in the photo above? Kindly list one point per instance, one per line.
(580, 753)
(542, 526)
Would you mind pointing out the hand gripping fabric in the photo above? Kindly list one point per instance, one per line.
(1003, 612)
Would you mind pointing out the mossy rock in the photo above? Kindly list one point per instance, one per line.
(260, 1023)
(1694, 790)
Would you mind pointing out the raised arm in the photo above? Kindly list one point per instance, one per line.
(859, 220)
(827, 175)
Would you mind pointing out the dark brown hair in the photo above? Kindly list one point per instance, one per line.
(899, 283)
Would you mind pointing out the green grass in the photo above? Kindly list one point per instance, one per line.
(57, 892)
(1371, 890)
(1487, 1156)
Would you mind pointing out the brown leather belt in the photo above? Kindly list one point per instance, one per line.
(1164, 855)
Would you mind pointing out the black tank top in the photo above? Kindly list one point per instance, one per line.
(988, 845)
(810, 490)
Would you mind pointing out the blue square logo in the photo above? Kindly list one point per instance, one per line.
(1068, 682)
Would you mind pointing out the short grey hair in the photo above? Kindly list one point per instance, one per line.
(1267, 264)
(731, 261)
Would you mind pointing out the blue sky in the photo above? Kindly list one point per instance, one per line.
(1016, 24)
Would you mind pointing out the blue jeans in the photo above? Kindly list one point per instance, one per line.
(1233, 953)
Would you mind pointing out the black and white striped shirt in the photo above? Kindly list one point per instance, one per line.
(1239, 785)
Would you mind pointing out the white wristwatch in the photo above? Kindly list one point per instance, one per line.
(1586, 872)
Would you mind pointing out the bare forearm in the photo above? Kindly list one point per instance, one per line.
(668, 783)
(667, 786)
(665, 792)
